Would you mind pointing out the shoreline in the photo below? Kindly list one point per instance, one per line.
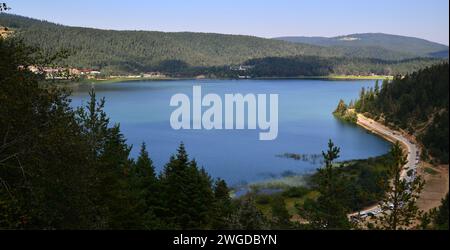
(438, 186)
(409, 145)
(414, 165)
(392, 136)
(329, 77)
(137, 79)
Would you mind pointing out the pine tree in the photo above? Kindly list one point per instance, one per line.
(351, 105)
(94, 123)
(362, 100)
(328, 211)
(147, 189)
(200, 192)
(143, 168)
(399, 208)
(44, 159)
(223, 207)
(377, 88)
(221, 191)
(384, 85)
(114, 206)
(173, 184)
(341, 108)
(187, 192)
(116, 187)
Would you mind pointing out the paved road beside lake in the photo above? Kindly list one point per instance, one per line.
(392, 136)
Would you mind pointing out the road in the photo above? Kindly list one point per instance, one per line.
(392, 136)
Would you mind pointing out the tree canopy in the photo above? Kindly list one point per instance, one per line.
(418, 103)
(188, 54)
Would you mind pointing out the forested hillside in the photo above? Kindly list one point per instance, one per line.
(142, 50)
(316, 66)
(191, 54)
(375, 43)
(417, 103)
(65, 168)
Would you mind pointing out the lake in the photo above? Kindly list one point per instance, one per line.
(306, 124)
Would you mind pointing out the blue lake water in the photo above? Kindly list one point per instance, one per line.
(306, 124)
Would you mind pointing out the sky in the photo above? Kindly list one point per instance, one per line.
(428, 19)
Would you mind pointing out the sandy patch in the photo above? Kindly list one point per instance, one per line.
(436, 185)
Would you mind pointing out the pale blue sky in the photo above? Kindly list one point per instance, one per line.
(428, 19)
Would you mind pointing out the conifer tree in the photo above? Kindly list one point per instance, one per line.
(223, 207)
(377, 88)
(143, 168)
(328, 211)
(146, 187)
(115, 206)
(341, 108)
(399, 207)
(45, 160)
(351, 105)
(187, 191)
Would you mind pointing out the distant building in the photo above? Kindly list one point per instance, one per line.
(74, 71)
(85, 71)
(34, 69)
(153, 75)
(63, 73)
(241, 67)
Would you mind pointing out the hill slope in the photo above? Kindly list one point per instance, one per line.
(141, 50)
(397, 44)
(137, 51)
(417, 103)
(191, 54)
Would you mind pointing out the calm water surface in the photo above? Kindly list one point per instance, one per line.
(305, 125)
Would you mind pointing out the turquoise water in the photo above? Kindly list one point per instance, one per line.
(305, 125)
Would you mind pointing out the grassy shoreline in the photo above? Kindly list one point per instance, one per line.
(295, 190)
(126, 79)
(331, 77)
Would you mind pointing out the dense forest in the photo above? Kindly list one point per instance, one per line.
(142, 50)
(404, 47)
(62, 168)
(65, 168)
(417, 103)
(192, 54)
(317, 66)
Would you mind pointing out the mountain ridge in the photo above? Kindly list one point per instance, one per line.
(116, 51)
(396, 43)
